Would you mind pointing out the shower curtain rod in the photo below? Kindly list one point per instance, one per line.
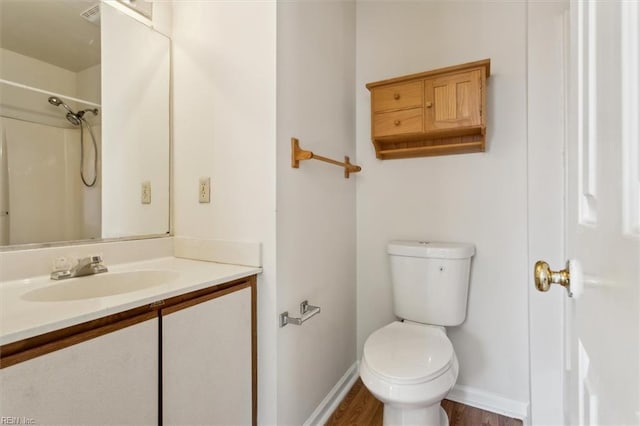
(48, 93)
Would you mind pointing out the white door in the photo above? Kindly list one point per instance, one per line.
(601, 333)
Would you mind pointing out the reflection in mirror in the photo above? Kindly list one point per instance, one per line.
(58, 180)
(143, 7)
(49, 50)
(135, 104)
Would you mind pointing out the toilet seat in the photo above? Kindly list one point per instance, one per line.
(408, 353)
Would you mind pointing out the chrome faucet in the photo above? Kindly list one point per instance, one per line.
(86, 266)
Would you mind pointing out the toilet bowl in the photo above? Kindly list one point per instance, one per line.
(410, 368)
(410, 365)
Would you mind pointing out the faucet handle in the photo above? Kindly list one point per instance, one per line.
(90, 260)
(98, 266)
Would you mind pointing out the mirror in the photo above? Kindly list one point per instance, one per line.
(84, 123)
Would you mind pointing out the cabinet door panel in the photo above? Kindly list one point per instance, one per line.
(206, 362)
(453, 101)
(111, 379)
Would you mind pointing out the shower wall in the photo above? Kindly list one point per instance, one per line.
(46, 199)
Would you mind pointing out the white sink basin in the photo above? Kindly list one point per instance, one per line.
(101, 285)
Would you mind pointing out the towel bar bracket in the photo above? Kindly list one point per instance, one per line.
(306, 311)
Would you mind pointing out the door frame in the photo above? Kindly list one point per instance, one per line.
(547, 59)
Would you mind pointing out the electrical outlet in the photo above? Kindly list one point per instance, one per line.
(146, 192)
(204, 190)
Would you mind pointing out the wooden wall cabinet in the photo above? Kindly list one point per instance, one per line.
(436, 112)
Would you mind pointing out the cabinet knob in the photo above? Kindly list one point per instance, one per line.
(429, 104)
(397, 122)
(396, 96)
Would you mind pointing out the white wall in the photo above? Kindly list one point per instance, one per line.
(33, 72)
(225, 110)
(477, 198)
(224, 103)
(88, 84)
(316, 204)
(135, 116)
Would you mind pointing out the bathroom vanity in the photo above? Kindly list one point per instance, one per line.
(180, 352)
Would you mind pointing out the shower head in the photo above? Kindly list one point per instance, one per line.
(74, 119)
(57, 102)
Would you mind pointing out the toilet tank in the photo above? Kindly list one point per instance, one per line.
(430, 281)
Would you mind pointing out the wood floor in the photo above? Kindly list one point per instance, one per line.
(360, 408)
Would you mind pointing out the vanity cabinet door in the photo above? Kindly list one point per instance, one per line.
(207, 365)
(110, 379)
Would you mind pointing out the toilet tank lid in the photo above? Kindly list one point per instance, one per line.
(431, 249)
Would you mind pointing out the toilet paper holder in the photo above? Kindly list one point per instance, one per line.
(306, 310)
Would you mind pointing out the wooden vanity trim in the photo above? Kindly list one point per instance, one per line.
(198, 299)
(254, 350)
(32, 347)
(24, 350)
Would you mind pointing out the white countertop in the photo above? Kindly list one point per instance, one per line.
(21, 319)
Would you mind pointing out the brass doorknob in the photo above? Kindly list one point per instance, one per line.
(544, 276)
(571, 277)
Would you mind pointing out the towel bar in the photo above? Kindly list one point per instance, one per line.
(298, 154)
(306, 310)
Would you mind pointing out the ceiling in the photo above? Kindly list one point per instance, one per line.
(52, 31)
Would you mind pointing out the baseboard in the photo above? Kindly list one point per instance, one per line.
(490, 402)
(328, 405)
(462, 394)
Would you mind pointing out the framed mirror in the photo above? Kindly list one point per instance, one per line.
(84, 123)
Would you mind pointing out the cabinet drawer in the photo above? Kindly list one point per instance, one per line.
(398, 96)
(398, 122)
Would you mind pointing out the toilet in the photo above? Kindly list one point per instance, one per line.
(410, 364)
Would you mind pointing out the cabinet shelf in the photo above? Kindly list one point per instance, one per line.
(430, 150)
(432, 135)
(436, 112)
